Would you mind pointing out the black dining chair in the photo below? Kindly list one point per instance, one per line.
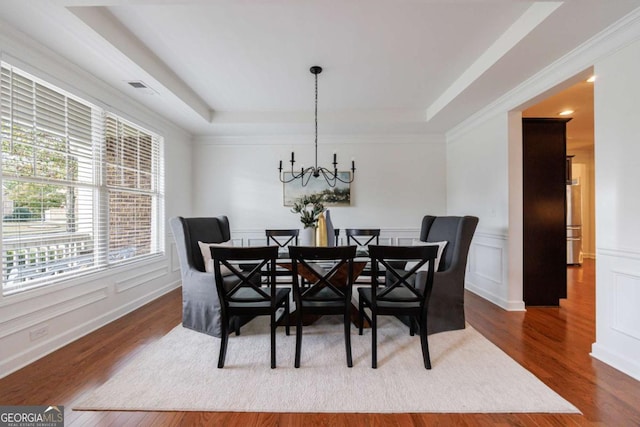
(336, 233)
(282, 238)
(405, 292)
(242, 293)
(364, 237)
(329, 275)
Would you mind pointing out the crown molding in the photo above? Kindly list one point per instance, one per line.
(615, 37)
(307, 139)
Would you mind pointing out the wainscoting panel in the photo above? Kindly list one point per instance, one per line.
(32, 318)
(37, 322)
(626, 296)
(252, 241)
(487, 269)
(140, 278)
(239, 242)
(617, 309)
(488, 262)
(388, 236)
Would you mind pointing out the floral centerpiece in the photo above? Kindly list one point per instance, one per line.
(309, 207)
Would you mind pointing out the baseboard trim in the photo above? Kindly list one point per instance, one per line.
(24, 358)
(500, 302)
(615, 360)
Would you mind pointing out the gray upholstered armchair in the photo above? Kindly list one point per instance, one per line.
(200, 304)
(446, 307)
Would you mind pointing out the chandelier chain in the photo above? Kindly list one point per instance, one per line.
(316, 115)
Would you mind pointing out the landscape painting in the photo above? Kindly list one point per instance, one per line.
(340, 195)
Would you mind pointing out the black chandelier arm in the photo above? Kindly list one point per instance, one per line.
(332, 177)
(304, 173)
(286, 181)
(304, 182)
(349, 181)
(328, 176)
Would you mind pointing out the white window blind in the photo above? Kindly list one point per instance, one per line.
(81, 189)
(133, 182)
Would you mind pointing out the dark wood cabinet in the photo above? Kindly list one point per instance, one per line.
(544, 211)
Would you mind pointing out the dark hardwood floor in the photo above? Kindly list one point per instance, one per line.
(552, 343)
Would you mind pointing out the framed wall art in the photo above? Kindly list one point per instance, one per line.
(340, 195)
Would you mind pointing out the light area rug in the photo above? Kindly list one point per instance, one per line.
(469, 374)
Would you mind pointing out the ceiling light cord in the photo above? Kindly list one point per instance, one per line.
(316, 172)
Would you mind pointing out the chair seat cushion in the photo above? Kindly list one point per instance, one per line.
(248, 293)
(400, 293)
(332, 300)
(323, 304)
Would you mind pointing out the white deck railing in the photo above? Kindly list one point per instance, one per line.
(28, 259)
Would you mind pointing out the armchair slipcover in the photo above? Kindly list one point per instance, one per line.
(446, 307)
(200, 303)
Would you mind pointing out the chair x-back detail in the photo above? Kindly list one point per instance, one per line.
(363, 236)
(282, 238)
(238, 277)
(330, 273)
(406, 290)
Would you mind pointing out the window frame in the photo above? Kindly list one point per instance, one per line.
(100, 212)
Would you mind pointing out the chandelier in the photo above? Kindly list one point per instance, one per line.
(304, 175)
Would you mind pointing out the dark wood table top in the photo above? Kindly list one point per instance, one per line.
(338, 279)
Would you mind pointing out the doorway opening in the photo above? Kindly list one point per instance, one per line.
(574, 100)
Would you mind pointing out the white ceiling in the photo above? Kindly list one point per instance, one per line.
(242, 66)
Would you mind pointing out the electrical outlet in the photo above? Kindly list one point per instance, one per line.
(40, 332)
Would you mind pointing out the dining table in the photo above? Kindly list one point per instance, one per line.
(338, 279)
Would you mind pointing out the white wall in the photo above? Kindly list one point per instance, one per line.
(616, 55)
(477, 176)
(478, 184)
(34, 323)
(617, 159)
(398, 180)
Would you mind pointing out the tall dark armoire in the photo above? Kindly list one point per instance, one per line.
(544, 219)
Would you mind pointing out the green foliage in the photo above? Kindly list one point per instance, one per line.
(309, 207)
(35, 154)
(336, 195)
(35, 197)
